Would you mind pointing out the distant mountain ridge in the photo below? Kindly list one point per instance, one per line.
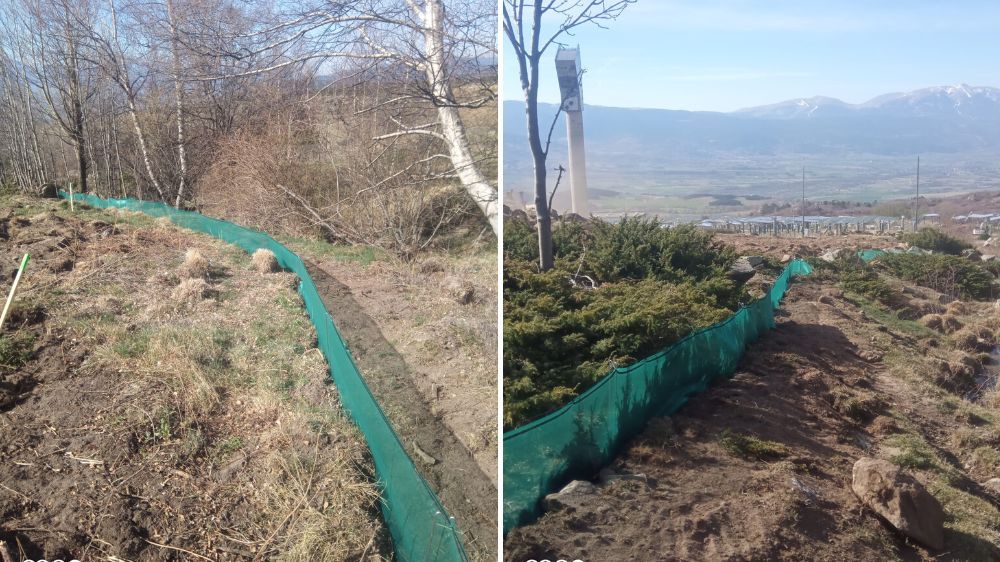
(944, 119)
(938, 101)
(637, 152)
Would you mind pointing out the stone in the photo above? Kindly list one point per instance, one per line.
(972, 255)
(831, 255)
(49, 191)
(573, 496)
(993, 485)
(899, 499)
(607, 476)
(459, 290)
(743, 269)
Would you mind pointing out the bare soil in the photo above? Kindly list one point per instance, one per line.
(429, 417)
(836, 380)
(148, 424)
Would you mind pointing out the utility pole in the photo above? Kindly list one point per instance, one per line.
(803, 201)
(916, 202)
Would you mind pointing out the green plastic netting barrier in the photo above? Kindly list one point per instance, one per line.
(421, 529)
(584, 435)
(869, 255)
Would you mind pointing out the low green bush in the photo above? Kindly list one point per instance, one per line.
(618, 293)
(947, 274)
(936, 241)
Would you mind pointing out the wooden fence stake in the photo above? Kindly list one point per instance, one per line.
(71, 209)
(13, 289)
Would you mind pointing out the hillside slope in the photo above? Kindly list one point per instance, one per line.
(759, 467)
(161, 398)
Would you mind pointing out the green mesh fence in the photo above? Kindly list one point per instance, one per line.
(584, 435)
(420, 527)
(869, 255)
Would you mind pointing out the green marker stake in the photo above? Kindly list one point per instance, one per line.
(13, 289)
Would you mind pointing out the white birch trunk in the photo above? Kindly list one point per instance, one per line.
(179, 100)
(452, 127)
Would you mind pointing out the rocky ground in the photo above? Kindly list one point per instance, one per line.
(762, 466)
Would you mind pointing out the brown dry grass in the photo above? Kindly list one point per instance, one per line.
(195, 265)
(234, 392)
(263, 261)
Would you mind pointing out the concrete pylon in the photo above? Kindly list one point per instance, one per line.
(570, 73)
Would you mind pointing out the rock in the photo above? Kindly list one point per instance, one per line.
(830, 255)
(430, 266)
(972, 254)
(462, 292)
(900, 500)
(742, 270)
(576, 494)
(607, 476)
(520, 215)
(49, 191)
(993, 485)
(870, 356)
(786, 258)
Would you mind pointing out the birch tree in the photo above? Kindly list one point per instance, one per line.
(420, 36)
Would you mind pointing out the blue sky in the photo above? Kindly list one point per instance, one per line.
(723, 55)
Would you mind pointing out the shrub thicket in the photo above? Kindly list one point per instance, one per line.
(653, 287)
(854, 275)
(936, 241)
(951, 275)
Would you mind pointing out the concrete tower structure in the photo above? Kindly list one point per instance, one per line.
(570, 74)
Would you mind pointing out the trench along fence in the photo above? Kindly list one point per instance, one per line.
(420, 527)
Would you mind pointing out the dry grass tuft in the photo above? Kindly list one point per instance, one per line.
(163, 222)
(263, 261)
(944, 323)
(191, 291)
(959, 308)
(195, 265)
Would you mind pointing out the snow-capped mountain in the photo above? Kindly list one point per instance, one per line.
(817, 106)
(975, 102)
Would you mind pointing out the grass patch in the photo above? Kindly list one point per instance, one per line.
(971, 523)
(229, 446)
(947, 406)
(360, 254)
(15, 351)
(132, 344)
(750, 447)
(891, 319)
(914, 453)
(861, 409)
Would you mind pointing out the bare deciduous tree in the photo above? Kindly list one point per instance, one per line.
(531, 27)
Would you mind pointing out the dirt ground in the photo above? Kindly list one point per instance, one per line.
(158, 404)
(838, 379)
(422, 418)
(424, 335)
